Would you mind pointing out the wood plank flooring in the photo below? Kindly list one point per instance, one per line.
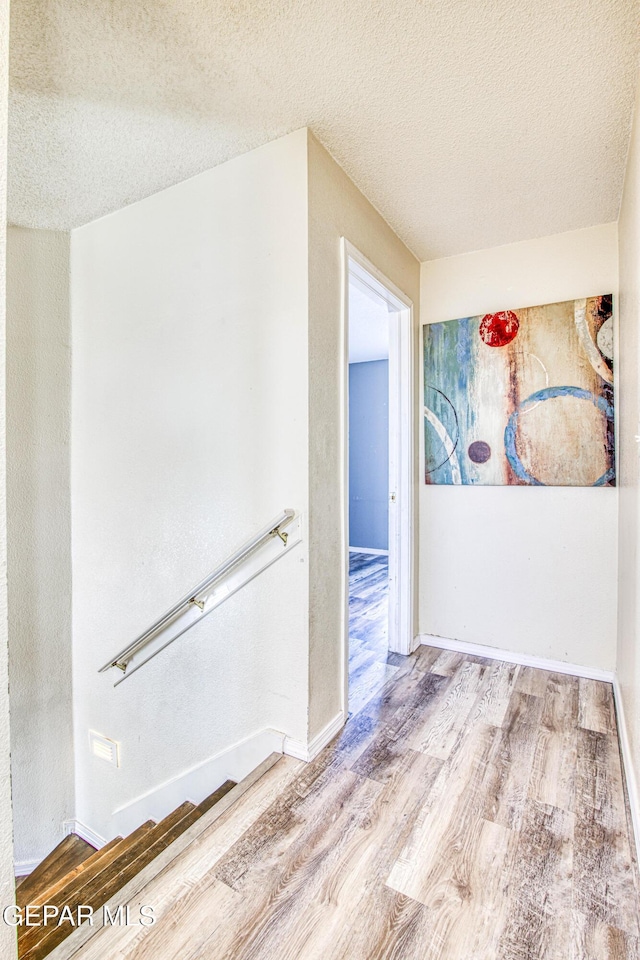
(470, 810)
(369, 667)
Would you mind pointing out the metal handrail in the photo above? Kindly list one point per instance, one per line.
(271, 530)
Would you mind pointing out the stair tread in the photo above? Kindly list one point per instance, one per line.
(164, 834)
(69, 853)
(167, 830)
(217, 795)
(97, 887)
(45, 894)
(71, 893)
(176, 816)
(133, 853)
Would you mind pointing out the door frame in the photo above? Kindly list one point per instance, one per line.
(401, 452)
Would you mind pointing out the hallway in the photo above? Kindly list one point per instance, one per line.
(369, 666)
(471, 809)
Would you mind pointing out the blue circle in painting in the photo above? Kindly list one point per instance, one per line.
(548, 394)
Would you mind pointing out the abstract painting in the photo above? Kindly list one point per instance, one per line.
(521, 397)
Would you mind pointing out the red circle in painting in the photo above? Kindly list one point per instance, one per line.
(499, 329)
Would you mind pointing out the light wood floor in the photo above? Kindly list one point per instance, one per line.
(471, 810)
(369, 668)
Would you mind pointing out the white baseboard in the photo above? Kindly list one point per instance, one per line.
(296, 748)
(196, 783)
(22, 868)
(627, 763)
(509, 656)
(234, 763)
(84, 832)
(309, 751)
(371, 550)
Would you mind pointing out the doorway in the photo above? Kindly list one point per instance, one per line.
(378, 489)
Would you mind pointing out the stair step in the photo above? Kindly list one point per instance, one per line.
(172, 819)
(93, 890)
(69, 853)
(69, 891)
(217, 795)
(47, 894)
(44, 892)
(160, 837)
(90, 868)
(95, 887)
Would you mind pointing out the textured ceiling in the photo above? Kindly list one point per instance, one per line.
(467, 123)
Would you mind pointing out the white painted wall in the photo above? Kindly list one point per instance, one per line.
(39, 538)
(628, 666)
(336, 209)
(189, 433)
(8, 944)
(533, 570)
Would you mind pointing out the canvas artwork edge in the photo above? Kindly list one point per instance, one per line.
(504, 396)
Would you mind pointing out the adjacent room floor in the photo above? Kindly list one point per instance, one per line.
(471, 810)
(369, 668)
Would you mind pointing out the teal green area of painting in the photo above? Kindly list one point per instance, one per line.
(450, 355)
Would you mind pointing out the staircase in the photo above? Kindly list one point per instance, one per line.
(76, 874)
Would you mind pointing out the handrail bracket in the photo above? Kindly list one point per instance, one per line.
(277, 532)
